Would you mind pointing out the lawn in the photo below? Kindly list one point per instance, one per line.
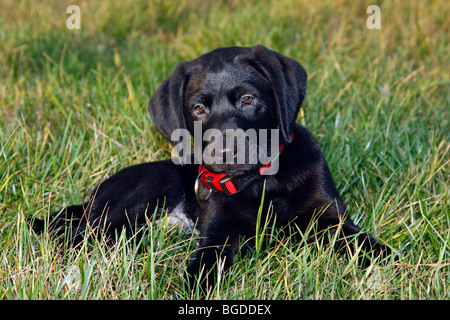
(73, 112)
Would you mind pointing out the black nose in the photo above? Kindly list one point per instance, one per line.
(227, 155)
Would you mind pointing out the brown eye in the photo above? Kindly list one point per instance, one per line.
(247, 100)
(199, 109)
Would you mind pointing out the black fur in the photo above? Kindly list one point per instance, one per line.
(301, 192)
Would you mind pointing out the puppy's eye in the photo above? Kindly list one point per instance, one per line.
(199, 109)
(247, 100)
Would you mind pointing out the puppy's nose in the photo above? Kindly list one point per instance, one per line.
(227, 155)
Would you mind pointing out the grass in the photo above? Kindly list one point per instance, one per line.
(73, 112)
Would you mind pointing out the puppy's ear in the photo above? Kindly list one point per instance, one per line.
(288, 81)
(166, 104)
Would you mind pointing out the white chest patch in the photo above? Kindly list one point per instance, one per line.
(178, 217)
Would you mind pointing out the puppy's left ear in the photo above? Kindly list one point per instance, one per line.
(288, 81)
(166, 103)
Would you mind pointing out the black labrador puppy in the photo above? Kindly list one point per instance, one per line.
(254, 91)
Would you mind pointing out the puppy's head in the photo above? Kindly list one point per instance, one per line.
(234, 97)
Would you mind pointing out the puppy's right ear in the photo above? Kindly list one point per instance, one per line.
(166, 104)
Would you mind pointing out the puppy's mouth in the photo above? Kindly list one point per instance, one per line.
(232, 162)
(230, 169)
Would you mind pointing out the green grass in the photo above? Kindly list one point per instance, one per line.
(73, 112)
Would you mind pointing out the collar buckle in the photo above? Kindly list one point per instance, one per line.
(236, 184)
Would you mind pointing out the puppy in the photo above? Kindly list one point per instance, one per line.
(253, 91)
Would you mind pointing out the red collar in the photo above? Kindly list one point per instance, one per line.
(228, 184)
